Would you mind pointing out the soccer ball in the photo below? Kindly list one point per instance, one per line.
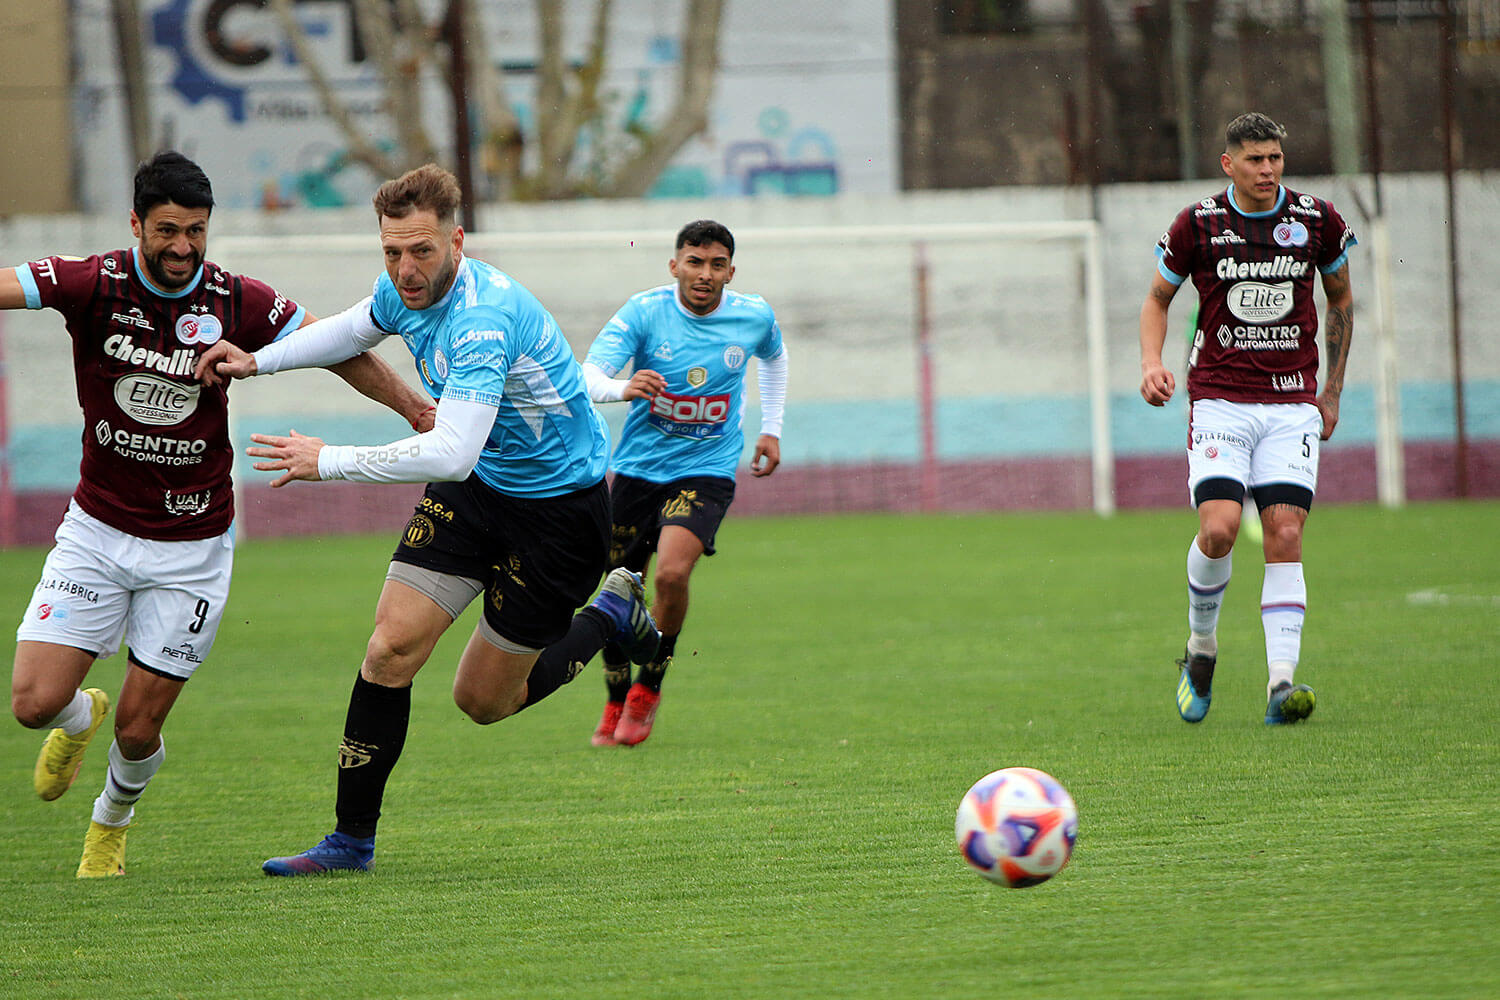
(1016, 826)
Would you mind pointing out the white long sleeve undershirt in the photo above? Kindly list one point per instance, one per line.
(602, 388)
(772, 380)
(448, 452)
(326, 342)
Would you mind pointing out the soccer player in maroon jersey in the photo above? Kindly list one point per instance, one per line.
(145, 549)
(1256, 412)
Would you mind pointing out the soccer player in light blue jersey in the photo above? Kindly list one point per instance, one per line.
(516, 508)
(689, 343)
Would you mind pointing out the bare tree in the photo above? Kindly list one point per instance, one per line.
(403, 45)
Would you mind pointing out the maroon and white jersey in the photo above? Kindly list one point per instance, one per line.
(156, 452)
(1257, 331)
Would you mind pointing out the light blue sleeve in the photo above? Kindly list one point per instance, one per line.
(385, 304)
(618, 342)
(771, 345)
(28, 286)
(1165, 271)
(296, 321)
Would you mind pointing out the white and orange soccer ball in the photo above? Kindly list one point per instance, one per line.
(1017, 826)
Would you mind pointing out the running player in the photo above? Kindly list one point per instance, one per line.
(145, 549)
(517, 508)
(1257, 417)
(674, 466)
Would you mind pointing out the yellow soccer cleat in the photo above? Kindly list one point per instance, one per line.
(62, 755)
(103, 851)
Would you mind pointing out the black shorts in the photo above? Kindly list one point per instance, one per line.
(697, 503)
(539, 558)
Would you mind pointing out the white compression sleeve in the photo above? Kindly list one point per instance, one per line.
(448, 452)
(772, 380)
(602, 388)
(327, 342)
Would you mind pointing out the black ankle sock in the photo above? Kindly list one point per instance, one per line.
(653, 673)
(616, 672)
(374, 733)
(561, 661)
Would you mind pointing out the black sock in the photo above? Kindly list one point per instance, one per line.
(561, 661)
(616, 672)
(374, 733)
(653, 672)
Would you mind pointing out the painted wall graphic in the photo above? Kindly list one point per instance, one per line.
(804, 103)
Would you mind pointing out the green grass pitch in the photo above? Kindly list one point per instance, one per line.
(787, 830)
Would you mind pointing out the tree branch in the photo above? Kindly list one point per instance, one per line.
(689, 116)
(361, 148)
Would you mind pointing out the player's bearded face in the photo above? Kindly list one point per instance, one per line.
(172, 243)
(701, 273)
(421, 256)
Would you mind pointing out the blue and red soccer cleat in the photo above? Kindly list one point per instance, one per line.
(335, 852)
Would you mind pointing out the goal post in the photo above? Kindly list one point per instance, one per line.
(995, 366)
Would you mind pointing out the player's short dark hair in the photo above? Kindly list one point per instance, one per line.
(170, 176)
(1252, 127)
(428, 187)
(703, 232)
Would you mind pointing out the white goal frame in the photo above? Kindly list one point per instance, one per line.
(1084, 234)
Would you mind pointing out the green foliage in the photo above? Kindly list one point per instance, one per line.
(787, 830)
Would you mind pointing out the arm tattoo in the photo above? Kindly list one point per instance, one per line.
(1340, 327)
(1340, 324)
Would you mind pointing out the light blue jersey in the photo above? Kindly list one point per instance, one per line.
(489, 340)
(695, 427)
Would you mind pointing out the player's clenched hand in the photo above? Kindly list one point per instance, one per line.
(1328, 409)
(296, 455)
(767, 456)
(1157, 384)
(222, 362)
(644, 384)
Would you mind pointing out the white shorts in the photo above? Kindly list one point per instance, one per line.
(100, 585)
(1254, 444)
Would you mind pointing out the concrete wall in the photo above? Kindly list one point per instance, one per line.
(35, 55)
(1006, 319)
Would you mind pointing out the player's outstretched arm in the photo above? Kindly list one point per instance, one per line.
(447, 452)
(1157, 384)
(223, 361)
(295, 456)
(1338, 330)
(12, 295)
(372, 376)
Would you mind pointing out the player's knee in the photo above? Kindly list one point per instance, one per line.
(1283, 540)
(137, 738)
(1216, 536)
(34, 708)
(391, 659)
(671, 580)
(485, 709)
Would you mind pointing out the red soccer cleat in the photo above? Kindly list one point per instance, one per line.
(604, 736)
(640, 712)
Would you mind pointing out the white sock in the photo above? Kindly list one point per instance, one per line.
(76, 717)
(1207, 580)
(1283, 605)
(127, 779)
